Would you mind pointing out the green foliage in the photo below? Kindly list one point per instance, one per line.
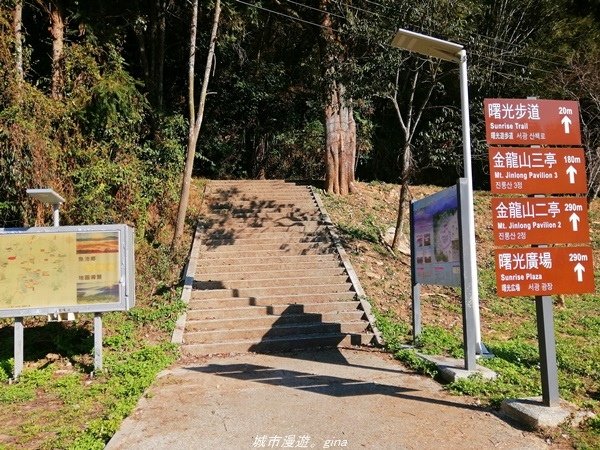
(369, 229)
(25, 389)
(416, 363)
(435, 340)
(164, 314)
(395, 334)
(127, 379)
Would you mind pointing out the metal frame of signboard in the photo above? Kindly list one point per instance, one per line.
(126, 269)
(466, 247)
(126, 283)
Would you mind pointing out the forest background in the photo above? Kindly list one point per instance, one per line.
(94, 94)
(95, 103)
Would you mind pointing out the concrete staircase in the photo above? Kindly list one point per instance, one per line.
(268, 277)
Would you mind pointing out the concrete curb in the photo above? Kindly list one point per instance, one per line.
(452, 369)
(188, 284)
(534, 414)
(360, 293)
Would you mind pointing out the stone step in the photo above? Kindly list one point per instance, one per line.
(265, 259)
(265, 266)
(272, 291)
(280, 344)
(268, 276)
(328, 309)
(225, 221)
(289, 200)
(273, 246)
(265, 321)
(262, 233)
(220, 255)
(265, 192)
(218, 204)
(274, 216)
(265, 239)
(218, 208)
(257, 334)
(270, 282)
(251, 226)
(249, 187)
(285, 299)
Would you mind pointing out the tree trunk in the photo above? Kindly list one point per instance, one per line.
(408, 124)
(195, 117)
(18, 31)
(160, 53)
(260, 152)
(340, 152)
(404, 179)
(150, 31)
(57, 31)
(340, 127)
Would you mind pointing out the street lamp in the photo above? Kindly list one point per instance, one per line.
(450, 51)
(48, 196)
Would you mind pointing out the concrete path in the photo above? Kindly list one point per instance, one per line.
(340, 398)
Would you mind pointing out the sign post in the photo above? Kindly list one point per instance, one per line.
(440, 255)
(451, 51)
(539, 271)
(66, 270)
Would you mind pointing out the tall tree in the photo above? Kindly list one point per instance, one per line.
(195, 117)
(340, 125)
(56, 15)
(409, 116)
(150, 27)
(18, 32)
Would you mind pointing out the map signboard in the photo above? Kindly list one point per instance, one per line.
(436, 239)
(532, 122)
(537, 170)
(66, 269)
(544, 271)
(546, 220)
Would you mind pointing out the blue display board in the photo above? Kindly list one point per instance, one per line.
(436, 239)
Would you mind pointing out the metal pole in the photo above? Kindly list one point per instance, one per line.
(55, 214)
(471, 288)
(416, 287)
(18, 347)
(468, 314)
(547, 346)
(97, 342)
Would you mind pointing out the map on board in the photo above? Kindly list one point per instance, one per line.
(446, 238)
(39, 270)
(436, 239)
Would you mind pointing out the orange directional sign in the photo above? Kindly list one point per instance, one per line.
(532, 122)
(544, 271)
(537, 170)
(547, 220)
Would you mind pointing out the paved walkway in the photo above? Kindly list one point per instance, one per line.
(337, 398)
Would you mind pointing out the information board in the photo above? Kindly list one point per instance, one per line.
(436, 239)
(66, 269)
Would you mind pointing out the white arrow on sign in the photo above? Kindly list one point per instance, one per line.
(567, 124)
(579, 269)
(571, 171)
(574, 219)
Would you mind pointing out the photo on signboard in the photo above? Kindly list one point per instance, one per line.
(98, 267)
(445, 230)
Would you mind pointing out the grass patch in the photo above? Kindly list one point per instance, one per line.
(58, 401)
(509, 325)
